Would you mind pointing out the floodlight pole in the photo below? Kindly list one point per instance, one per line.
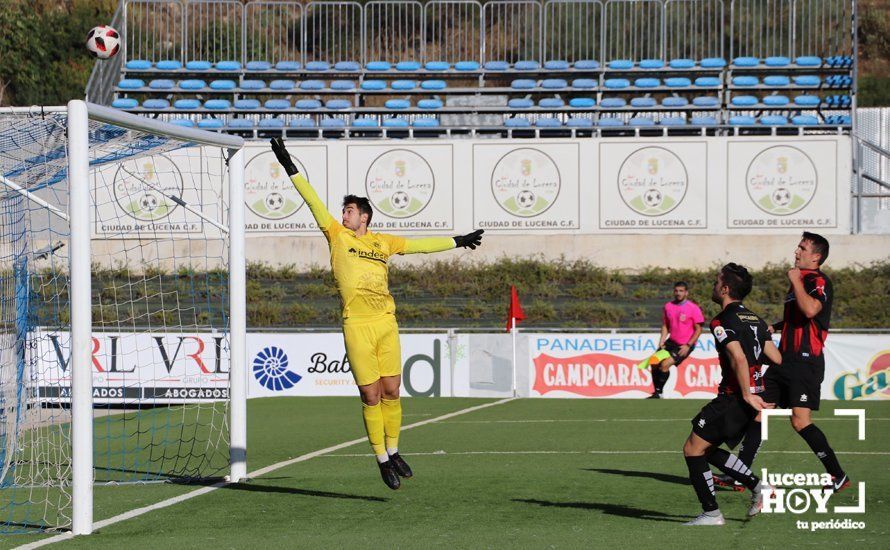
(81, 319)
(237, 319)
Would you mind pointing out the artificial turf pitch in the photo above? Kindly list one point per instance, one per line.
(527, 473)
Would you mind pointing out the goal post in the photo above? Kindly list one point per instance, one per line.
(122, 309)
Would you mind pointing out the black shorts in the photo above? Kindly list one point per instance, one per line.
(674, 349)
(794, 385)
(723, 420)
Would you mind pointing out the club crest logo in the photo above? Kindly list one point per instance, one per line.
(270, 368)
(781, 180)
(525, 182)
(268, 192)
(652, 181)
(400, 183)
(142, 187)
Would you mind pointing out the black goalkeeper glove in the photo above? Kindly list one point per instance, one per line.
(283, 156)
(471, 240)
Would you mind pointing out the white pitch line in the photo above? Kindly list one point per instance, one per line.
(586, 420)
(256, 473)
(677, 452)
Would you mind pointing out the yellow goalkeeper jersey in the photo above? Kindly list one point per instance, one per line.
(361, 264)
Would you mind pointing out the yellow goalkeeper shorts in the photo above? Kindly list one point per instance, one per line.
(373, 348)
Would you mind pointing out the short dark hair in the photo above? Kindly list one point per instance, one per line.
(681, 283)
(362, 203)
(820, 245)
(737, 279)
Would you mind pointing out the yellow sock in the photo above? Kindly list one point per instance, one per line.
(392, 421)
(373, 415)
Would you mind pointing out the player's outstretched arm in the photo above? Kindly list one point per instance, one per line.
(438, 244)
(470, 240)
(322, 217)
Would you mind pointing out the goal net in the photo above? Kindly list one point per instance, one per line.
(119, 266)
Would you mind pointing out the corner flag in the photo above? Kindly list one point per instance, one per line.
(516, 314)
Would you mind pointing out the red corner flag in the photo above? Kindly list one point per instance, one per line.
(515, 309)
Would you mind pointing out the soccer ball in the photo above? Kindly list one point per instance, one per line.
(400, 200)
(652, 198)
(781, 197)
(149, 203)
(103, 42)
(526, 199)
(274, 201)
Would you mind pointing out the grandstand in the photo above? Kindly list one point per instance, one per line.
(512, 68)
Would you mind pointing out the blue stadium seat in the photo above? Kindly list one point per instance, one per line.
(425, 122)
(301, 122)
(520, 103)
(526, 65)
(274, 122)
(288, 66)
(466, 66)
(610, 122)
(838, 101)
(647, 83)
(276, 104)
(217, 104)
(156, 104)
(409, 66)
(131, 84)
(616, 83)
(641, 121)
(746, 61)
(673, 121)
(742, 120)
(584, 83)
(395, 122)
(707, 82)
(338, 104)
(587, 65)
(612, 103)
(775, 100)
(579, 122)
(282, 84)
(839, 119)
(347, 66)
(402, 85)
(839, 81)
(125, 103)
(342, 85)
(517, 122)
(210, 123)
(241, 123)
(651, 64)
(776, 80)
(773, 120)
(548, 122)
(223, 85)
(366, 122)
(373, 85)
(556, 65)
(643, 102)
(188, 104)
(554, 84)
(682, 63)
(551, 103)
(198, 65)
(704, 121)
(674, 101)
(713, 63)
(677, 82)
(777, 61)
(329, 122)
(433, 85)
(706, 101)
(307, 104)
(252, 85)
(161, 84)
(437, 66)
(496, 65)
(228, 65)
(168, 65)
(745, 81)
(429, 104)
(808, 61)
(378, 66)
(523, 84)
(247, 104)
(807, 100)
(805, 120)
(318, 66)
(138, 65)
(621, 64)
(744, 101)
(582, 102)
(187, 122)
(312, 85)
(397, 104)
(258, 66)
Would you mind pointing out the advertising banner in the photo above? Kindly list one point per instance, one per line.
(273, 204)
(653, 186)
(526, 188)
(857, 367)
(410, 188)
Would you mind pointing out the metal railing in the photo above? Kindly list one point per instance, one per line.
(871, 168)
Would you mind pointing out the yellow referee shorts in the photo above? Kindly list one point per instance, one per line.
(373, 348)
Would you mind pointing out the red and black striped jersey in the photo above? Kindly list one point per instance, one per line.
(803, 339)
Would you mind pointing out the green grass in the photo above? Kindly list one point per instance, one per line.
(497, 477)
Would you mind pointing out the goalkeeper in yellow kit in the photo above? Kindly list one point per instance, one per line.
(359, 260)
